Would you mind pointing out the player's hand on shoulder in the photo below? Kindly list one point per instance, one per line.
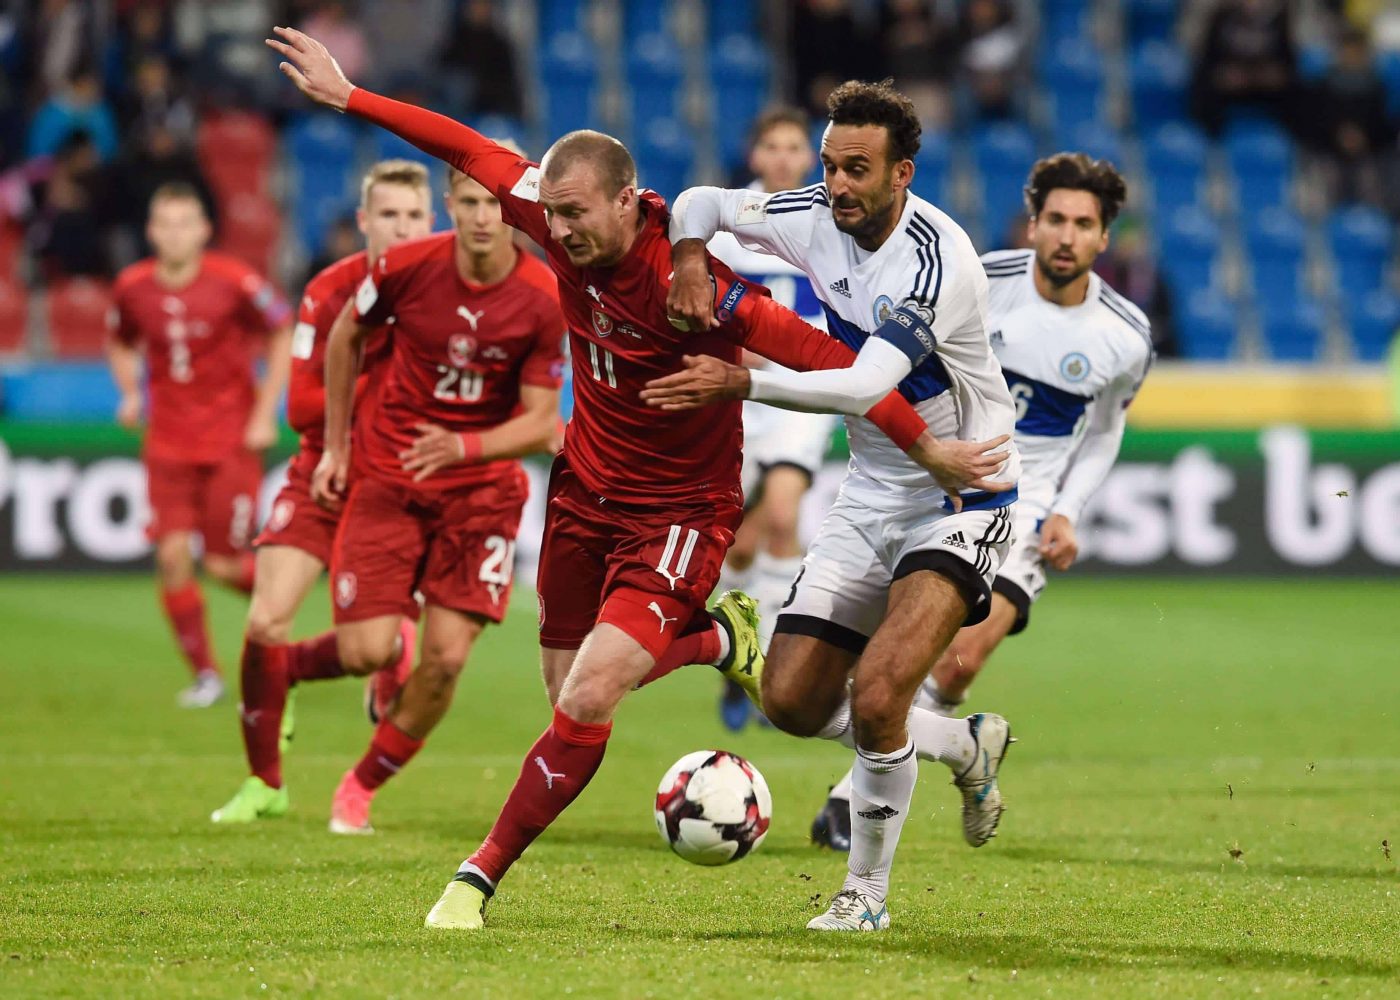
(261, 433)
(328, 481)
(703, 381)
(311, 67)
(957, 465)
(1059, 546)
(435, 448)
(129, 411)
(690, 302)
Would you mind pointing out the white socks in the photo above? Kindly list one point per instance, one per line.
(771, 579)
(881, 790)
(935, 736)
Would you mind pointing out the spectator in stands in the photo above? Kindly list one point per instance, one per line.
(155, 100)
(79, 107)
(830, 45)
(69, 231)
(478, 64)
(1247, 63)
(920, 51)
(144, 31)
(160, 155)
(343, 238)
(992, 47)
(1353, 127)
(63, 41)
(333, 26)
(1129, 266)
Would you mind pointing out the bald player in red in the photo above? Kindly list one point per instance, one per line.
(200, 318)
(294, 547)
(642, 504)
(434, 503)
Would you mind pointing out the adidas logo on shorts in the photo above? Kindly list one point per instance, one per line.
(956, 540)
(841, 287)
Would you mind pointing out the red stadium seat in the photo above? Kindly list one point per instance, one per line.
(78, 317)
(236, 151)
(14, 315)
(11, 239)
(250, 228)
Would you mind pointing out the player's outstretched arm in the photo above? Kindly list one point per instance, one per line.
(343, 349)
(529, 432)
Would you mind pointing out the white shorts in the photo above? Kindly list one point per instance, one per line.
(774, 436)
(1022, 575)
(840, 593)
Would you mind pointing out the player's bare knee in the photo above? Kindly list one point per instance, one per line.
(791, 708)
(361, 655)
(225, 569)
(267, 626)
(876, 704)
(963, 663)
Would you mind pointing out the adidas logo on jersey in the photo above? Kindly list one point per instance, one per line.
(956, 540)
(841, 287)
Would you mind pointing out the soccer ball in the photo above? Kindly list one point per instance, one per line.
(713, 807)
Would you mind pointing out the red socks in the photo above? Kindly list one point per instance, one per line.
(389, 750)
(185, 609)
(697, 643)
(265, 682)
(558, 767)
(315, 659)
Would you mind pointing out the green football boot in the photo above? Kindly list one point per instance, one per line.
(737, 614)
(254, 800)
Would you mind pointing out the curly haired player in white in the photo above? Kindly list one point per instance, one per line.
(1074, 353)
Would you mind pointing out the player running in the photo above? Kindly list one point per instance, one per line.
(783, 449)
(198, 316)
(900, 564)
(642, 504)
(295, 545)
(471, 386)
(1074, 353)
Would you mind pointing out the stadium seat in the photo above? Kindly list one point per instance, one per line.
(1293, 334)
(664, 150)
(1360, 239)
(558, 17)
(77, 315)
(1151, 20)
(1275, 241)
(319, 139)
(645, 17)
(1208, 328)
(1159, 75)
(1389, 65)
(14, 315)
(570, 76)
(1261, 157)
(1095, 138)
(235, 135)
(1073, 72)
(250, 226)
(654, 78)
(1175, 158)
(932, 166)
(1374, 321)
(732, 17)
(11, 243)
(1314, 60)
(739, 75)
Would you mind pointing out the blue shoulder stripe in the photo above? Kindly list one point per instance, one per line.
(1116, 305)
(1006, 274)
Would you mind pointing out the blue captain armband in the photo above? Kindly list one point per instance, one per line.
(910, 328)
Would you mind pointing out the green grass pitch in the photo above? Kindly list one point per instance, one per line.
(1206, 774)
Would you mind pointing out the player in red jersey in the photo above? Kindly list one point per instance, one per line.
(199, 316)
(472, 385)
(295, 545)
(642, 504)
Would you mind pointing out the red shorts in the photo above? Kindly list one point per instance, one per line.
(457, 548)
(644, 568)
(217, 499)
(296, 519)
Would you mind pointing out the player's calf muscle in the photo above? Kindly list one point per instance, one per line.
(804, 681)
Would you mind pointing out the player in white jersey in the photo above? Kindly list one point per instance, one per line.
(783, 449)
(1074, 353)
(901, 562)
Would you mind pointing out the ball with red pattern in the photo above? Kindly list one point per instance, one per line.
(713, 807)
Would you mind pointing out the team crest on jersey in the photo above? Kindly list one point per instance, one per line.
(882, 309)
(1074, 367)
(346, 587)
(282, 512)
(602, 324)
(460, 349)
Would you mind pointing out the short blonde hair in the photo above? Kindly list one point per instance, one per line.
(405, 172)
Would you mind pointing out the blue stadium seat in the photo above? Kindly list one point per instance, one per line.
(1159, 75)
(1151, 20)
(322, 140)
(1004, 146)
(654, 77)
(1208, 327)
(558, 17)
(732, 17)
(1374, 320)
(1389, 66)
(1095, 138)
(1361, 239)
(739, 73)
(1294, 334)
(932, 168)
(645, 17)
(665, 151)
(1261, 156)
(1314, 60)
(323, 153)
(388, 146)
(1175, 157)
(1275, 240)
(569, 72)
(1189, 251)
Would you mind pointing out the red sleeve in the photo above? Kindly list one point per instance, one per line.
(514, 181)
(119, 322)
(779, 334)
(266, 307)
(306, 388)
(544, 366)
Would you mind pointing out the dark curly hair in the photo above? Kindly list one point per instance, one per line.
(856, 102)
(1077, 172)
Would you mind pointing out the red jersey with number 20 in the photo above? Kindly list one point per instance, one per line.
(200, 343)
(459, 354)
(620, 337)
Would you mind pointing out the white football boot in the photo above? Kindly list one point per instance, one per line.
(208, 688)
(982, 806)
(852, 911)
